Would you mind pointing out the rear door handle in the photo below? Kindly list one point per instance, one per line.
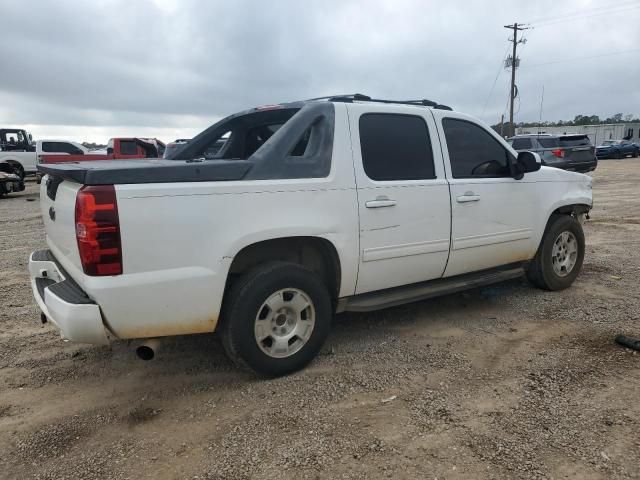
(380, 202)
(468, 197)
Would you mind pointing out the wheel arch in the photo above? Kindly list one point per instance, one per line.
(316, 253)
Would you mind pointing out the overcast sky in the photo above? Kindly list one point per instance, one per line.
(89, 70)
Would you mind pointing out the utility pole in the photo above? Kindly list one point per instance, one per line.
(514, 64)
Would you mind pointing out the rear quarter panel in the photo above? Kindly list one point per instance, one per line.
(179, 240)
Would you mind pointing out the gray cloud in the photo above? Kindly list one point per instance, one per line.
(183, 64)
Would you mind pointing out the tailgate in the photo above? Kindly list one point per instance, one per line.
(577, 148)
(58, 203)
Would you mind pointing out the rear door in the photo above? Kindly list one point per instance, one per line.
(403, 196)
(494, 216)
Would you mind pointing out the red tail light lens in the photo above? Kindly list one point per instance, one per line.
(558, 153)
(98, 230)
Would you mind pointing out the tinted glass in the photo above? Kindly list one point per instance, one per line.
(473, 151)
(61, 147)
(395, 147)
(548, 142)
(128, 147)
(574, 141)
(521, 143)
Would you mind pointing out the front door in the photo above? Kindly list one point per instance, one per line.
(493, 215)
(403, 197)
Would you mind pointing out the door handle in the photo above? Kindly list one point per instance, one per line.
(468, 197)
(380, 202)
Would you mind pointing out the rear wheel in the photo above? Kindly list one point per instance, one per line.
(560, 255)
(636, 153)
(276, 318)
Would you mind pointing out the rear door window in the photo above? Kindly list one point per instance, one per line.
(395, 147)
(522, 143)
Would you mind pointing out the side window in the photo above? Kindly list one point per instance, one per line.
(48, 147)
(128, 147)
(473, 152)
(522, 143)
(395, 147)
(61, 147)
(70, 149)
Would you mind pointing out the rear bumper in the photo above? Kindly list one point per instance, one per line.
(64, 303)
(574, 166)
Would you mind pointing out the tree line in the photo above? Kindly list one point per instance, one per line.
(577, 120)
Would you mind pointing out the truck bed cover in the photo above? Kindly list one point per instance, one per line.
(113, 172)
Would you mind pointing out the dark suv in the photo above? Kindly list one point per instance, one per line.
(569, 152)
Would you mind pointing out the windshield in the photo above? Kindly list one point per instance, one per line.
(609, 142)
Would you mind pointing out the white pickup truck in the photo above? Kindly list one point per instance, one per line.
(25, 161)
(307, 209)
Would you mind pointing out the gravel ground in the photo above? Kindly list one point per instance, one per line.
(500, 382)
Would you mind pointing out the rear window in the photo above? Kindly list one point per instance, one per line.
(128, 147)
(574, 141)
(548, 142)
(521, 143)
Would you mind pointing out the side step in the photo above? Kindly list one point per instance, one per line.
(392, 297)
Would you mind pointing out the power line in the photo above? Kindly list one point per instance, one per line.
(581, 16)
(575, 59)
(584, 11)
(495, 80)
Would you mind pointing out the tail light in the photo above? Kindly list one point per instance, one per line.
(558, 153)
(98, 230)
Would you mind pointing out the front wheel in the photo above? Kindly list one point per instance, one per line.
(276, 318)
(560, 255)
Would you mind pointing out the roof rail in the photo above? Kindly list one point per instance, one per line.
(359, 97)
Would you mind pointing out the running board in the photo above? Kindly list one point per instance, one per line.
(392, 297)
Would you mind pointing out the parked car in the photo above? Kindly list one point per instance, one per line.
(25, 161)
(569, 152)
(311, 208)
(10, 181)
(117, 149)
(617, 149)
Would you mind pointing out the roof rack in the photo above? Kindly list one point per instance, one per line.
(359, 97)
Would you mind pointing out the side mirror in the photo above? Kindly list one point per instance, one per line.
(525, 163)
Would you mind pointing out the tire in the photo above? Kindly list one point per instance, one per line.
(546, 269)
(636, 153)
(284, 348)
(18, 169)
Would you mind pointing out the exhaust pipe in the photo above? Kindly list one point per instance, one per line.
(147, 350)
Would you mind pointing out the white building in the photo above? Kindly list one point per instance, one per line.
(597, 133)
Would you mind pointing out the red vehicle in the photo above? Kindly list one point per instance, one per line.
(117, 149)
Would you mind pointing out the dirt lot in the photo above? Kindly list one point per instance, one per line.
(502, 382)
